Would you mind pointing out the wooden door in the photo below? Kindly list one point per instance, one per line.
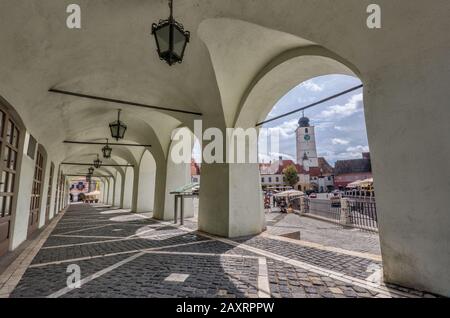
(36, 194)
(49, 193)
(9, 144)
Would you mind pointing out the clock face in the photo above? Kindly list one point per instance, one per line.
(307, 137)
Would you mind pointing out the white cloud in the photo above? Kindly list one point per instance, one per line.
(344, 129)
(353, 106)
(359, 149)
(306, 99)
(311, 86)
(337, 141)
(286, 129)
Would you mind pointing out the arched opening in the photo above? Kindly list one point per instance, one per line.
(327, 148)
(147, 180)
(111, 182)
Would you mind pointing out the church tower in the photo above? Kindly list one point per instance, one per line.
(306, 145)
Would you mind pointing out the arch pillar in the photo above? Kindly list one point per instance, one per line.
(231, 203)
(118, 194)
(231, 200)
(146, 181)
(135, 191)
(160, 190)
(128, 187)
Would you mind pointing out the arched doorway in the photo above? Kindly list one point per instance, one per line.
(11, 140)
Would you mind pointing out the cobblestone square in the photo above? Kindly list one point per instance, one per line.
(123, 255)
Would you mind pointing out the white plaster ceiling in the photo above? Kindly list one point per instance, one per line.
(113, 55)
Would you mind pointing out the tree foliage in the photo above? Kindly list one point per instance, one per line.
(291, 175)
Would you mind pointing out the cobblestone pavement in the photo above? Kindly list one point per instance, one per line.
(130, 255)
(325, 233)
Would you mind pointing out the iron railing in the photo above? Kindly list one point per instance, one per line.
(363, 213)
(324, 208)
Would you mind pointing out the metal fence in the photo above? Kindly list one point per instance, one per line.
(363, 213)
(324, 208)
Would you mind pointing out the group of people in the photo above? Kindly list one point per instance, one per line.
(277, 202)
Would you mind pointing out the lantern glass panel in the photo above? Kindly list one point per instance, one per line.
(179, 42)
(114, 130)
(163, 38)
(122, 130)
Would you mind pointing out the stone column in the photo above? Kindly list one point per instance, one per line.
(303, 205)
(345, 213)
(231, 202)
(135, 193)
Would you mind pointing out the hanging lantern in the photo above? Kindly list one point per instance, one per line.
(107, 150)
(171, 38)
(97, 163)
(118, 128)
(91, 171)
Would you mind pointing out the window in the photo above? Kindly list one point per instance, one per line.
(9, 153)
(262, 180)
(270, 180)
(277, 179)
(36, 194)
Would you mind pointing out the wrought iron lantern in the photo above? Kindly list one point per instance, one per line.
(91, 171)
(107, 150)
(118, 128)
(97, 162)
(171, 38)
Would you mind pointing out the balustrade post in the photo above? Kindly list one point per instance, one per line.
(345, 212)
(303, 205)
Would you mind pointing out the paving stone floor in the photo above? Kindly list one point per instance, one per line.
(326, 233)
(120, 254)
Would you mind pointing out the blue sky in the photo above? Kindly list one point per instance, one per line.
(340, 124)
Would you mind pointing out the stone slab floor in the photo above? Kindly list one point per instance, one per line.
(120, 254)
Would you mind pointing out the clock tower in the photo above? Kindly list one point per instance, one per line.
(306, 144)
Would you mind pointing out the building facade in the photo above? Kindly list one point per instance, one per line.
(348, 171)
